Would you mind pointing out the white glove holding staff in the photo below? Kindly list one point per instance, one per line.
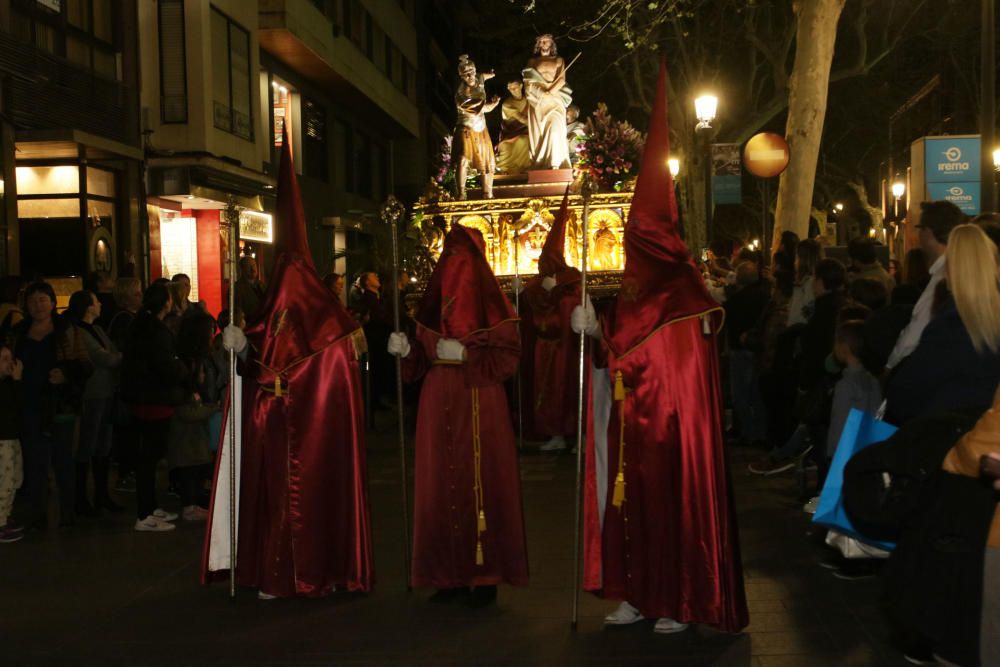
(548, 282)
(584, 320)
(398, 345)
(233, 339)
(450, 349)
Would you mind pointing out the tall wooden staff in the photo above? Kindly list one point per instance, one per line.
(586, 190)
(517, 308)
(392, 212)
(233, 218)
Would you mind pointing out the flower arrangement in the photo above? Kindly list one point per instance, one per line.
(441, 185)
(610, 150)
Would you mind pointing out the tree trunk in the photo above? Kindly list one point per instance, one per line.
(691, 187)
(809, 86)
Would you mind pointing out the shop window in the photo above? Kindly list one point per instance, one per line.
(281, 105)
(173, 62)
(179, 249)
(60, 180)
(232, 109)
(100, 182)
(314, 139)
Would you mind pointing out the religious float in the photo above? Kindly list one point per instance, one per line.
(543, 150)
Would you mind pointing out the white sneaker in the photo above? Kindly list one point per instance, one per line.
(164, 515)
(810, 507)
(195, 513)
(261, 595)
(153, 523)
(668, 626)
(556, 443)
(626, 614)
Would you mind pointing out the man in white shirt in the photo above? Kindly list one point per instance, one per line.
(937, 219)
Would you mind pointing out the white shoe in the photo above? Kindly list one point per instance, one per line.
(668, 626)
(626, 614)
(195, 513)
(261, 595)
(810, 507)
(164, 515)
(556, 443)
(153, 524)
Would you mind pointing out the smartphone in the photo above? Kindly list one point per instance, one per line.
(989, 467)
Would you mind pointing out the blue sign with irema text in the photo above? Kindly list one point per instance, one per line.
(950, 160)
(952, 171)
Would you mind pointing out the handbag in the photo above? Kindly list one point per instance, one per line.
(860, 430)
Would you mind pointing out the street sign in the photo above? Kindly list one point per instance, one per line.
(766, 155)
(726, 179)
(965, 196)
(952, 160)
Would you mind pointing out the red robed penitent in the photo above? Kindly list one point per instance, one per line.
(666, 540)
(550, 364)
(304, 525)
(468, 519)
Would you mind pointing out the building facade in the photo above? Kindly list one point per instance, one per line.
(70, 139)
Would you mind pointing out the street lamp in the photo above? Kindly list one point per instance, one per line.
(705, 108)
(674, 165)
(898, 190)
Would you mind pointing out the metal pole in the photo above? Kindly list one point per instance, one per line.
(987, 118)
(586, 190)
(392, 211)
(708, 189)
(232, 214)
(517, 308)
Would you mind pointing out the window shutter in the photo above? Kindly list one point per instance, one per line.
(173, 63)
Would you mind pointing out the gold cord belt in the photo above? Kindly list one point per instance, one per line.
(618, 498)
(477, 489)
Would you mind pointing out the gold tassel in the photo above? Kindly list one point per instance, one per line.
(618, 499)
(706, 325)
(619, 387)
(481, 524)
(479, 552)
(277, 386)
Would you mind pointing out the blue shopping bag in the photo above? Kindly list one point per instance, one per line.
(860, 430)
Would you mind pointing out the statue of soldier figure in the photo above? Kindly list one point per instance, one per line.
(472, 143)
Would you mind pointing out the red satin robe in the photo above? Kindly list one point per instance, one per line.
(445, 518)
(672, 548)
(551, 361)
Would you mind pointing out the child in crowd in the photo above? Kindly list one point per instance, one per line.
(11, 470)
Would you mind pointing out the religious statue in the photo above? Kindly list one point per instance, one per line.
(512, 149)
(548, 97)
(605, 253)
(472, 140)
(575, 131)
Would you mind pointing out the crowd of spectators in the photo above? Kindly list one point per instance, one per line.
(810, 338)
(121, 374)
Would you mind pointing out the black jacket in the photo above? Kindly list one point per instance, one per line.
(816, 340)
(944, 373)
(10, 409)
(744, 308)
(151, 372)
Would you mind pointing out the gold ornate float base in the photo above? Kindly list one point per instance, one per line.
(515, 230)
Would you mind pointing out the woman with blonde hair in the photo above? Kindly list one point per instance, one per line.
(956, 365)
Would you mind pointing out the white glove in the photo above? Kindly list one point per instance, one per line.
(398, 345)
(584, 320)
(517, 285)
(450, 349)
(233, 338)
(548, 282)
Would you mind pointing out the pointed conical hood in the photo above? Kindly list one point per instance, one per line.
(299, 316)
(553, 259)
(660, 283)
(462, 295)
(291, 217)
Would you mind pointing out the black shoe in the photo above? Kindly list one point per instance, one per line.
(446, 595)
(482, 596)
